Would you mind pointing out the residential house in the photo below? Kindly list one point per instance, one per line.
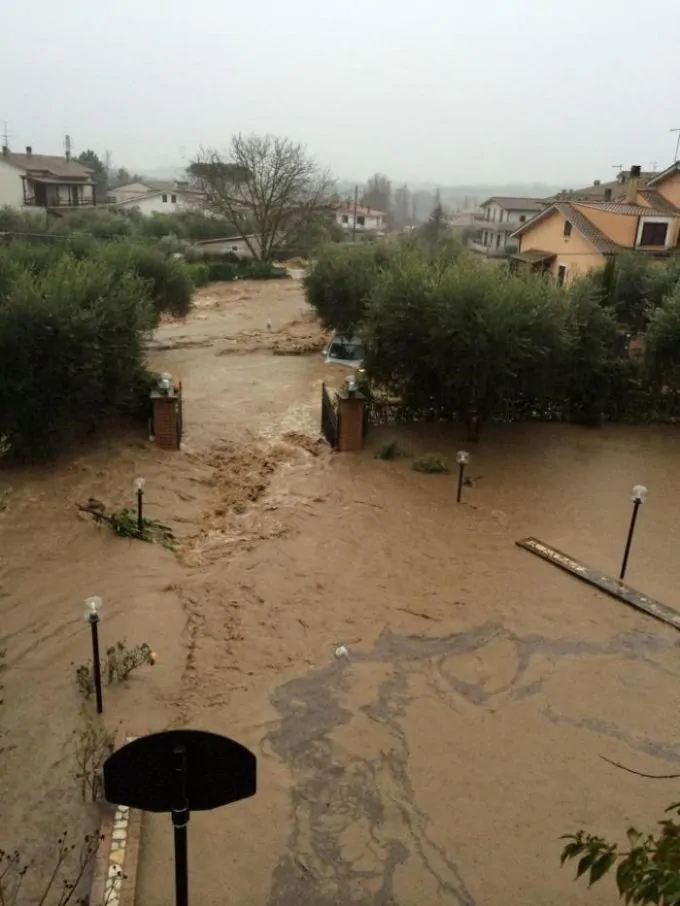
(570, 238)
(358, 219)
(165, 198)
(499, 218)
(34, 182)
(612, 190)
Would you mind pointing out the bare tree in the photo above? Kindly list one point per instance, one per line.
(267, 186)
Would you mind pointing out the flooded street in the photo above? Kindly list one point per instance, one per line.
(440, 762)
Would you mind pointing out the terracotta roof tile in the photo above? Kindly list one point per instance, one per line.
(48, 165)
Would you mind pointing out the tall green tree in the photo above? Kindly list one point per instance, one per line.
(463, 338)
(378, 193)
(662, 347)
(100, 175)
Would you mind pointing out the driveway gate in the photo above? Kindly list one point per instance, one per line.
(329, 418)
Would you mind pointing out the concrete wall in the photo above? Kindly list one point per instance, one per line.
(670, 188)
(124, 193)
(11, 192)
(620, 228)
(574, 252)
(154, 204)
(222, 246)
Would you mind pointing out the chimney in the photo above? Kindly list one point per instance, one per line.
(29, 150)
(632, 185)
(597, 182)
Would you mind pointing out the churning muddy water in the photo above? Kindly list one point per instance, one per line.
(441, 760)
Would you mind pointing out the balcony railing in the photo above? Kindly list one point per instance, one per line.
(38, 202)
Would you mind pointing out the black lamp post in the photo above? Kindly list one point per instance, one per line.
(139, 488)
(93, 607)
(639, 494)
(462, 458)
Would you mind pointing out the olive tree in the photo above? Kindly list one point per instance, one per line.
(463, 337)
(267, 186)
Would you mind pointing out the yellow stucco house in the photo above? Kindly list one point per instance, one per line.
(570, 238)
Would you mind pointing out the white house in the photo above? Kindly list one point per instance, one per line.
(168, 199)
(34, 182)
(500, 217)
(129, 190)
(368, 220)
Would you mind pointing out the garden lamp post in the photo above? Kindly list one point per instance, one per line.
(638, 496)
(139, 488)
(93, 608)
(462, 458)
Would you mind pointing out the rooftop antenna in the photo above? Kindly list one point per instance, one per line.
(618, 167)
(677, 144)
(652, 164)
(5, 135)
(67, 146)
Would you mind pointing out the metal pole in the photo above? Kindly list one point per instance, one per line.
(461, 469)
(354, 218)
(96, 663)
(629, 540)
(180, 820)
(140, 494)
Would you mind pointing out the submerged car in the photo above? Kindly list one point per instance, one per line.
(344, 351)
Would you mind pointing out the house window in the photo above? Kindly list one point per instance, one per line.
(345, 218)
(361, 220)
(561, 274)
(654, 234)
(566, 232)
(498, 240)
(607, 194)
(173, 199)
(522, 218)
(165, 198)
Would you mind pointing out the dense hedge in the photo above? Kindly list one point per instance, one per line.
(202, 272)
(72, 345)
(75, 316)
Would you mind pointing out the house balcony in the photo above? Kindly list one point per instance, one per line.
(51, 194)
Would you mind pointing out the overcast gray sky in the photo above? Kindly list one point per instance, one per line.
(424, 90)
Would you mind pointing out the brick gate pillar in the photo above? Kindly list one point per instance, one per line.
(166, 419)
(350, 421)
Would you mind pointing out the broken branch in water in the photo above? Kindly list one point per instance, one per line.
(640, 773)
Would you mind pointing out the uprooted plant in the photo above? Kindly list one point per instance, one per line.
(124, 523)
(93, 745)
(69, 868)
(119, 664)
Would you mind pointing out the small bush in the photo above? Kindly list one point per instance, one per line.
(431, 464)
(119, 664)
(199, 273)
(93, 745)
(389, 451)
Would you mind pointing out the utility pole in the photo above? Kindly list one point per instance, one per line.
(677, 144)
(5, 135)
(354, 218)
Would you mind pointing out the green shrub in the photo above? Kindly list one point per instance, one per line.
(389, 451)
(431, 463)
(199, 273)
(168, 280)
(72, 347)
(341, 279)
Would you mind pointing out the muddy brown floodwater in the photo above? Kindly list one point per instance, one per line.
(441, 761)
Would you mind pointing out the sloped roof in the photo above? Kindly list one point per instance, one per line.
(135, 199)
(516, 204)
(659, 177)
(659, 203)
(617, 207)
(48, 164)
(579, 221)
